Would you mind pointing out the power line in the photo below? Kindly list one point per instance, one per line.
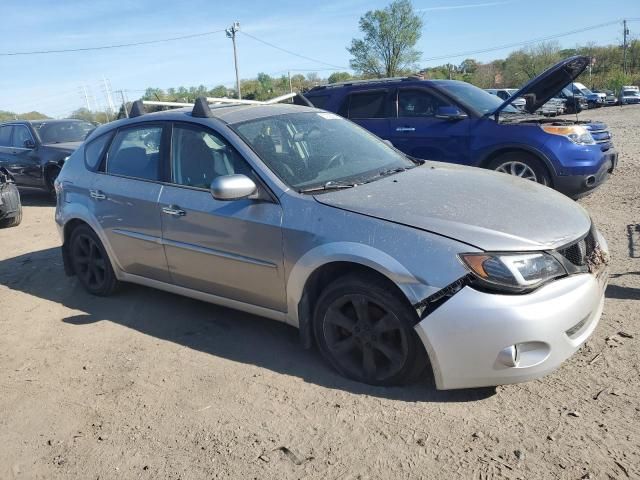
(106, 47)
(292, 53)
(527, 42)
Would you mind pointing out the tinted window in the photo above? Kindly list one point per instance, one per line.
(417, 103)
(135, 152)
(5, 135)
(199, 156)
(474, 97)
(20, 135)
(319, 101)
(61, 132)
(94, 150)
(367, 105)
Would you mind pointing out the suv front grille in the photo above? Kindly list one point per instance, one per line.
(578, 253)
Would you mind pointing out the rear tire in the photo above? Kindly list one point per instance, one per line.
(50, 178)
(17, 218)
(91, 263)
(523, 165)
(366, 332)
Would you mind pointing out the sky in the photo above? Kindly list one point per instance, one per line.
(320, 30)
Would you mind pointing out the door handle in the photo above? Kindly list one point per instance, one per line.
(174, 210)
(97, 195)
(405, 129)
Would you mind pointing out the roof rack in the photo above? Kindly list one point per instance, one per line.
(201, 106)
(365, 82)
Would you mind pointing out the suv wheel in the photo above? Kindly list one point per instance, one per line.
(50, 177)
(91, 263)
(367, 333)
(523, 165)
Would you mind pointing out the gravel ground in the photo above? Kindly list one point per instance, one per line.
(151, 385)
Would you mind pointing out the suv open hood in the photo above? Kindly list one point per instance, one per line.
(546, 85)
(488, 210)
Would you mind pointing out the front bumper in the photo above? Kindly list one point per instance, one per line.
(465, 336)
(576, 186)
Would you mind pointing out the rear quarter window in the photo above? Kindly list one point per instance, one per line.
(94, 151)
(319, 101)
(367, 104)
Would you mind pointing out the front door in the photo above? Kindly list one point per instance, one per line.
(418, 132)
(22, 158)
(232, 249)
(124, 198)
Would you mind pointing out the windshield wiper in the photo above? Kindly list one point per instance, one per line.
(330, 185)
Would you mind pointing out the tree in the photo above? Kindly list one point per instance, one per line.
(339, 77)
(389, 38)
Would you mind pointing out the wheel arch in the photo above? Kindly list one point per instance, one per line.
(325, 263)
(504, 149)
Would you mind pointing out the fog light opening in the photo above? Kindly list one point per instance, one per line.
(590, 181)
(509, 356)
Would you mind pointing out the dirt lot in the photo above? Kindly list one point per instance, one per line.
(151, 385)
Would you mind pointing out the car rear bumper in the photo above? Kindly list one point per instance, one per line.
(580, 185)
(471, 337)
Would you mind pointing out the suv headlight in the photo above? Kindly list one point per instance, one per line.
(576, 133)
(512, 272)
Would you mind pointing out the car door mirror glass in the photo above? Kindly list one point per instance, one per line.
(449, 112)
(232, 187)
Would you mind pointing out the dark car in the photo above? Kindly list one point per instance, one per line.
(10, 206)
(33, 152)
(575, 102)
(453, 121)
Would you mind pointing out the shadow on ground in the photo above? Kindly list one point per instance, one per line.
(36, 198)
(204, 327)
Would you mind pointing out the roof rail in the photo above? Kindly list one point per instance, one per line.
(365, 82)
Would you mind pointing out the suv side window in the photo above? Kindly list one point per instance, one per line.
(20, 135)
(367, 104)
(198, 156)
(135, 152)
(5, 135)
(417, 103)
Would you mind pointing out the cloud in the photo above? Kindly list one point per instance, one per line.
(465, 6)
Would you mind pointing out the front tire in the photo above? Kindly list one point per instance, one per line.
(91, 263)
(50, 178)
(366, 332)
(523, 165)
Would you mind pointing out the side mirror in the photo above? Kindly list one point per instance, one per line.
(29, 144)
(232, 187)
(451, 113)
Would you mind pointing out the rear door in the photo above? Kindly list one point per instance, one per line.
(370, 109)
(124, 197)
(6, 151)
(232, 249)
(418, 132)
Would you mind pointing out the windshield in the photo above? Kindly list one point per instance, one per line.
(476, 98)
(62, 132)
(311, 149)
(631, 93)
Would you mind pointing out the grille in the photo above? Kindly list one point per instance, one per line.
(578, 253)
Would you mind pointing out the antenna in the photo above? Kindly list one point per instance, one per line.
(137, 109)
(201, 108)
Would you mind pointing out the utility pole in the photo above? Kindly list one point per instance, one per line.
(124, 103)
(231, 33)
(86, 97)
(625, 32)
(290, 84)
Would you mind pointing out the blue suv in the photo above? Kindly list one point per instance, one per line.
(453, 121)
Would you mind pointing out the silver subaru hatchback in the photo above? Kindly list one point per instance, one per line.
(389, 264)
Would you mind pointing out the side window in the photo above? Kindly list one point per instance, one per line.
(417, 103)
(367, 105)
(135, 152)
(20, 135)
(94, 150)
(199, 156)
(503, 95)
(319, 101)
(5, 135)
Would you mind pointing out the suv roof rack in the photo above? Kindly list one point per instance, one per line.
(202, 109)
(365, 82)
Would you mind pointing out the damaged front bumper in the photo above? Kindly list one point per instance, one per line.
(477, 339)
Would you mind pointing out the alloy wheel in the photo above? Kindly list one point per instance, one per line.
(518, 169)
(364, 338)
(90, 264)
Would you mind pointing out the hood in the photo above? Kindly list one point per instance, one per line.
(485, 209)
(67, 147)
(548, 83)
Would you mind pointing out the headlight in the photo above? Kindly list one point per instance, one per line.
(576, 133)
(512, 272)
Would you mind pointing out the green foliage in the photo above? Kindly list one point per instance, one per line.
(339, 77)
(91, 116)
(389, 38)
(6, 116)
